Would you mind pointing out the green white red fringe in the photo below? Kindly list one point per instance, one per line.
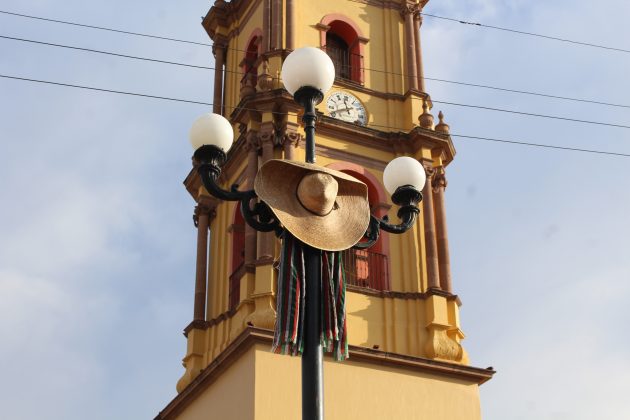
(290, 302)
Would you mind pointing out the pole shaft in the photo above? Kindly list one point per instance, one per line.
(309, 130)
(312, 358)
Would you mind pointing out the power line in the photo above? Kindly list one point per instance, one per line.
(433, 100)
(482, 86)
(102, 28)
(618, 154)
(363, 68)
(134, 57)
(531, 114)
(516, 31)
(120, 92)
(547, 146)
(477, 24)
(524, 92)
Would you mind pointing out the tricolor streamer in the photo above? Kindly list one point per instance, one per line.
(290, 302)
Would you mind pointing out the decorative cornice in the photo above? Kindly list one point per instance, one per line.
(252, 141)
(439, 180)
(204, 209)
(404, 295)
(267, 136)
(252, 336)
(204, 325)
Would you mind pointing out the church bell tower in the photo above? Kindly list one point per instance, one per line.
(406, 355)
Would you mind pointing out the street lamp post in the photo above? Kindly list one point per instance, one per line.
(307, 73)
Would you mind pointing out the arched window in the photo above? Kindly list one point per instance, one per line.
(237, 231)
(339, 52)
(343, 42)
(367, 268)
(249, 64)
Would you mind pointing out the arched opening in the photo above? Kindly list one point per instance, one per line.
(344, 45)
(367, 268)
(249, 65)
(237, 232)
(339, 52)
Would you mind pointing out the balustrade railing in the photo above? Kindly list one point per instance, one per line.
(364, 268)
(348, 66)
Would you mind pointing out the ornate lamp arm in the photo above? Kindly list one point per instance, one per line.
(407, 197)
(260, 216)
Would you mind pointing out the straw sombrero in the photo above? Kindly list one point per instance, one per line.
(323, 208)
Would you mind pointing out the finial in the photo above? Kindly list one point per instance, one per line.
(265, 80)
(247, 85)
(426, 119)
(442, 126)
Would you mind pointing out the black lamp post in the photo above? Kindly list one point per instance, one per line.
(307, 73)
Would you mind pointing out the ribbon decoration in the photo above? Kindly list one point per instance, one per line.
(291, 305)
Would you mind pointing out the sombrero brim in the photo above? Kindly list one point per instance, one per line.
(276, 184)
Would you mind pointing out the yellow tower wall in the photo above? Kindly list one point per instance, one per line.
(260, 385)
(230, 396)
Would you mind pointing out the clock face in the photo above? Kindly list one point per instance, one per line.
(346, 107)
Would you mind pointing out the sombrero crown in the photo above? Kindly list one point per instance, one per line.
(323, 208)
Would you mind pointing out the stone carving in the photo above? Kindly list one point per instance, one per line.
(426, 119)
(252, 141)
(292, 138)
(266, 136)
(247, 85)
(429, 170)
(264, 316)
(441, 346)
(439, 180)
(202, 209)
(409, 9)
(265, 79)
(442, 127)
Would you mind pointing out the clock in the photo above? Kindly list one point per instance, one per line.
(346, 107)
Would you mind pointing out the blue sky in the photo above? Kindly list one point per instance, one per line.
(97, 246)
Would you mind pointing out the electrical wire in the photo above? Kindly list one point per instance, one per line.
(120, 92)
(516, 31)
(531, 114)
(362, 68)
(90, 88)
(461, 21)
(134, 57)
(482, 107)
(103, 28)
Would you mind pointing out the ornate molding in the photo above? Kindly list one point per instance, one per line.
(441, 346)
(201, 209)
(292, 138)
(267, 136)
(409, 9)
(439, 180)
(429, 170)
(264, 316)
(265, 79)
(252, 141)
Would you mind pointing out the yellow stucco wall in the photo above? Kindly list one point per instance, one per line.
(266, 386)
(230, 397)
(361, 391)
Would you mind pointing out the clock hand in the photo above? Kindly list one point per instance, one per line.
(345, 102)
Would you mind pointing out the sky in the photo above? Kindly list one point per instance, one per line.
(97, 244)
